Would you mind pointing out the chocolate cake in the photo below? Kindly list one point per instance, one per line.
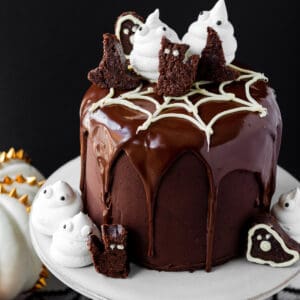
(183, 174)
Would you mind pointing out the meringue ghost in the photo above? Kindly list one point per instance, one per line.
(53, 204)
(19, 265)
(217, 18)
(287, 213)
(144, 57)
(69, 244)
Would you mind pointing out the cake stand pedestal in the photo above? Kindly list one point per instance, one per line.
(235, 280)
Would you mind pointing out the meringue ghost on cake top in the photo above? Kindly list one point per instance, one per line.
(19, 265)
(216, 18)
(287, 212)
(144, 56)
(53, 204)
(69, 244)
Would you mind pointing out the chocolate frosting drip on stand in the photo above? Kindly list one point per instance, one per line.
(240, 141)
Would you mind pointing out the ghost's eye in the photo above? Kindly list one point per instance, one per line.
(47, 192)
(62, 198)
(143, 30)
(120, 247)
(268, 236)
(126, 31)
(175, 52)
(259, 237)
(201, 13)
(68, 227)
(167, 51)
(289, 205)
(164, 28)
(219, 22)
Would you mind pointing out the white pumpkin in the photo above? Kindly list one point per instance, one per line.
(20, 267)
(28, 186)
(13, 163)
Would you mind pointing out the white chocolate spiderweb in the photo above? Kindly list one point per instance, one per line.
(184, 102)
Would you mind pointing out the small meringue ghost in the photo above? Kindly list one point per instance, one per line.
(69, 244)
(216, 18)
(144, 56)
(287, 213)
(53, 204)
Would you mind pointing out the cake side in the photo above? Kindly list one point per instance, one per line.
(125, 178)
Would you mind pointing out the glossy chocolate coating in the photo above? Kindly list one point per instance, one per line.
(185, 207)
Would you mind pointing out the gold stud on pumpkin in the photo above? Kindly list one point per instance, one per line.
(20, 154)
(11, 153)
(41, 183)
(31, 180)
(13, 193)
(2, 189)
(20, 179)
(2, 157)
(24, 200)
(7, 180)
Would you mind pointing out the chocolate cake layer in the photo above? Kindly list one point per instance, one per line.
(185, 203)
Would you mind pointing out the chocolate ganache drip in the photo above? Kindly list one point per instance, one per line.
(223, 132)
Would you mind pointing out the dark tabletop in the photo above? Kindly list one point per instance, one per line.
(47, 48)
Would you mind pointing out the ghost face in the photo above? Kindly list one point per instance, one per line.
(144, 57)
(76, 230)
(152, 32)
(58, 194)
(287, 209)
(69, 244)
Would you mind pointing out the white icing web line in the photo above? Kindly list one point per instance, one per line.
(185, 103)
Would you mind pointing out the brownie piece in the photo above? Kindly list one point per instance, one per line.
(110, 254)
(212, 65)
(177, 73)
(113, 69)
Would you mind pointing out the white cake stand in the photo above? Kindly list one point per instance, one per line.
(237, 279)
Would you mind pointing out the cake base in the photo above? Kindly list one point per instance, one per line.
(254, 281)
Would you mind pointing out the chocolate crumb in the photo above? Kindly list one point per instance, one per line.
(212, 65)
(113, 69)
(177, 72)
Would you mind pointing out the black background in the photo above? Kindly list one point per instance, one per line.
(47, 48)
